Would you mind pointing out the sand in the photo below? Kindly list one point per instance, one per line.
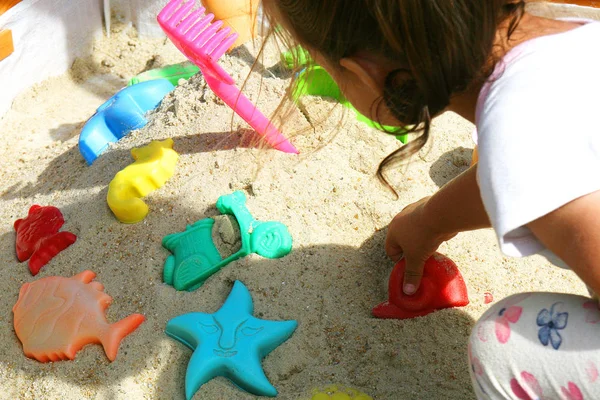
(328, 197)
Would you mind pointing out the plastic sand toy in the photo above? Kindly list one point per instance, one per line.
(203, 43)
(315, 81)
(442, 286)
(195, 256)
(154, 165)
(121, 114)
(173, 73)
(230, 343)
(38, 237)
(296, 56)
(55, 317)
(335, 392)
(239, 15)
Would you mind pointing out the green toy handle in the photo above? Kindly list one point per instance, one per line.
(268, 239)
(313, 80)
(297, 55)
(173, 73)
(235, 204)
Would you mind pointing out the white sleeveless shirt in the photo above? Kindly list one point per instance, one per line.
(538, 128)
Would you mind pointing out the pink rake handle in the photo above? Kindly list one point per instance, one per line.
(245, 109)
(203, 43)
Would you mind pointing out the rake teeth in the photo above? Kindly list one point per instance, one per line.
(181, 12)
(198, 27)
(189, 21)
(214, 41)
(224, 46)
(196, 34)
(167, 12)
(207, 33)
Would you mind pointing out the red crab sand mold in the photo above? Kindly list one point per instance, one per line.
(55, 317)
(38, 238)
(442, 286)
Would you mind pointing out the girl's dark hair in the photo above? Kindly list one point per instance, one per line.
(445, 44)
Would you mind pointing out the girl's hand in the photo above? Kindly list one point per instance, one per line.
(412, 235)
(420, 228)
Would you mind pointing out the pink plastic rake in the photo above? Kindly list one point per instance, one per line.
(203, 42)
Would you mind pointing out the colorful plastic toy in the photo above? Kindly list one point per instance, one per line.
(230, 343)
(204, 43)
(154, 165)
(313, 80)
(335, 392)
(195, 256)
(488, 298)
(173, 73)
(121, 114)
(55, 317)
(442, 286)
(239, 15)
(297, 56)
(38, 236)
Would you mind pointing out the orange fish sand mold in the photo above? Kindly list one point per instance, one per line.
(55, 317)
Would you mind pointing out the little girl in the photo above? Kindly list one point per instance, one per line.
(532, 88)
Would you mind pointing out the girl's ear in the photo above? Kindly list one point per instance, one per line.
(367, 70)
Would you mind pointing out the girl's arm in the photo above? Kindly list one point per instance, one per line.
(572, 232)
(420, 228)
(457, 206)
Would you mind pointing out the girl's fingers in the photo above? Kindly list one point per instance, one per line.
(396, 254)
(392, 249)
(412, 276)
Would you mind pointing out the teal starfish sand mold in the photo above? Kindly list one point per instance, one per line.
(230, 343)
